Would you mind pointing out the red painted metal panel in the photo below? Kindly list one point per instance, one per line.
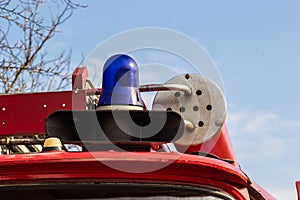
(23, 114)
(79, 78)
(185, 169)
(219, 146)
(258, 193)
(298, 189)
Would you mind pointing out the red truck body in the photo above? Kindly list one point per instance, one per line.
(23, 116)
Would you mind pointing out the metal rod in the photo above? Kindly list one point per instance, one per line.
(23, 141)
(150, 88)
(162, 87)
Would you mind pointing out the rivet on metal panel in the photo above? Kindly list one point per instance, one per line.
(63, 105)
(3, 122)
(3, 109)
(45, 106)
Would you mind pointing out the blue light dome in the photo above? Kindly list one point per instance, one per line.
(120, 82)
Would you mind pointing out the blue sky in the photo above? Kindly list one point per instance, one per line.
(256, 47)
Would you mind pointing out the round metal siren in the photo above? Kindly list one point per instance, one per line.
(203, 111)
